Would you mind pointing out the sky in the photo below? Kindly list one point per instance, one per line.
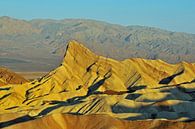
(173, 15)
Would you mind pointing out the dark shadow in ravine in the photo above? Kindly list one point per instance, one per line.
(135, 88)
(93, 88)
(16, 121)
(167, 80)
(190, 82)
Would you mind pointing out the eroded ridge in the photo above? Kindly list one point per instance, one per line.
(86, 84)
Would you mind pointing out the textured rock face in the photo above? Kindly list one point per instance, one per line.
(9, 77)
(85, 83)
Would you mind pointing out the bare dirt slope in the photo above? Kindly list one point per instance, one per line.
(9, 77)
(67, 121)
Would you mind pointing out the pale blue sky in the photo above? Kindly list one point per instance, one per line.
(175, 15)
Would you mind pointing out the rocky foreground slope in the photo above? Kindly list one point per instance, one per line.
(100, 89)
(67, 121)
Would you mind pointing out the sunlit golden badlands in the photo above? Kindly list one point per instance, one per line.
(88, 91)
(9, 77)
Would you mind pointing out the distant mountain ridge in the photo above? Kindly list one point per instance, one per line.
(46, 40)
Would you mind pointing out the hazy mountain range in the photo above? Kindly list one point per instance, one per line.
(39, 45)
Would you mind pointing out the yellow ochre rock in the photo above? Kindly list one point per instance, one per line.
(9, 77)
(86, 83)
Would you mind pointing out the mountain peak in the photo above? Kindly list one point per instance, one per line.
(73, 44)
(77, 52)
(76, 45)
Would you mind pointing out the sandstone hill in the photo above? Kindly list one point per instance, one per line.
(9, 77)
(47, 41)
(87, 85)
